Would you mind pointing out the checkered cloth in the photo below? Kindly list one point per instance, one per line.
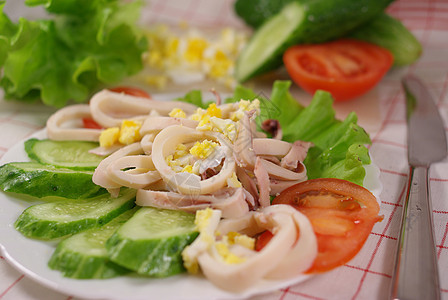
(368, 275)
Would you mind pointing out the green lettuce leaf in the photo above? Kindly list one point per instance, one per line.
(195, 97)
(69, 57)
(338, 150)
(284, 107)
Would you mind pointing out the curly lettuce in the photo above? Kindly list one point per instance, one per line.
(83, 45)
(339, 149)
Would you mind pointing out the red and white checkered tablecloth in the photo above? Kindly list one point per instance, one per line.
(368, 275)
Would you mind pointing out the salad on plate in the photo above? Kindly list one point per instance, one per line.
(238, 192)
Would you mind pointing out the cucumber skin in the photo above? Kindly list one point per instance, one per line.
(323, 20)
(34, 155)
(47, 181)
(75, 265)
(255, 12)
(79, 265)
(390, 33)
(37, 228)
(159, 257)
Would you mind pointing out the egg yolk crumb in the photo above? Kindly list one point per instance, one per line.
(109, 136)
(203, 149)
(177, 113)
(129, 132)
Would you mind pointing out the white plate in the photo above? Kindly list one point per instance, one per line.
(31, 256)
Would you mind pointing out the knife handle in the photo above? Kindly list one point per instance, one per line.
(416, 274)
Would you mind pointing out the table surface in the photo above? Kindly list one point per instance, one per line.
(381, 112)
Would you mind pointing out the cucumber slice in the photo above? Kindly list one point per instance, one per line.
(84, 255)
(67, 154)
(302, 22)
(38, 180)
(151, 242)
(264, 50)
(61, 218)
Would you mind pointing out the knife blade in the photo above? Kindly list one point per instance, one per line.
(415, 274)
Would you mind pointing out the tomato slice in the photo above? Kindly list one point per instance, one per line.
(346, 68)
(342, 215)
(128, 90)
(90, 123)
(263, 239)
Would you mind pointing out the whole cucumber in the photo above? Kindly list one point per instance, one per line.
(255, 12)
(390, 33)
(302, 22)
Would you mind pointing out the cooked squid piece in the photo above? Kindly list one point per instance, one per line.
(187, 183)
(274, 164)
(109, 109)
(224, 253)
(65, 124)
(232, 202)
(134, 171)
(102, 176)
(262, 176)
(243, 147)
(153, 125)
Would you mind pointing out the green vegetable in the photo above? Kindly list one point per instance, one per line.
(383, 30)
(84, 255)
(195, 97)
(66, 154)
(66, 58)
(151, 242)
(255, 12)
(302, 22)
(331, 155)
(390, 33)
(38, 180)
(66, 217)
(338, 150)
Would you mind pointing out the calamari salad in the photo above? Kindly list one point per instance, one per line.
(232, 163)
(212, 161)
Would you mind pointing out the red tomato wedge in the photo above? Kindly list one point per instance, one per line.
(262, 240)
(130, 91)
(342, 215)
(346, 68)
(90, 124)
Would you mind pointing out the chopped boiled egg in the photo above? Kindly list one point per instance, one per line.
(203, 149)
(209, 240)
(206, 221)
(214, 111)
(198, 114)
(195, 47)
(233, 181)
(225, 126)
(245, 106)
(177, 113)
(109, 136)
(181, 151)
(185, 55)
(227, 256)
(128, 133)
(180, 160)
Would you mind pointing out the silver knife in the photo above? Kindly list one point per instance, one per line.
(416, 273)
